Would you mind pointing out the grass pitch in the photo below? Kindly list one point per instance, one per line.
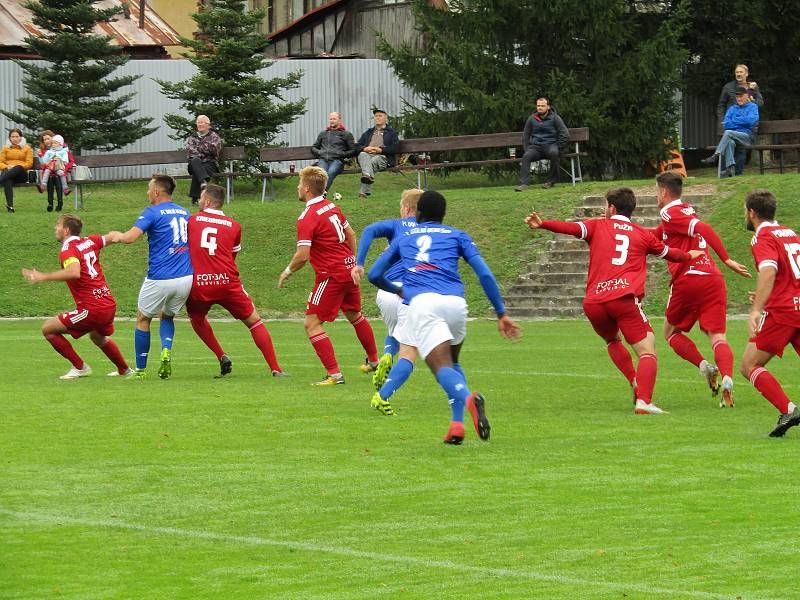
(254, 487)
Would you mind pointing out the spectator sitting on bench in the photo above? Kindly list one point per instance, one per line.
(544, 136)
(377, 150)
(53, 183)
(202, 150)
(55, 160)
(333, 146)
(16, 157)
(727, 97)
(740, 123)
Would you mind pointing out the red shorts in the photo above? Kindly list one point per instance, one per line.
(330, 296)
(233, 299)
(621, 314)
(773, 337)
(81, 321)
(694, 298)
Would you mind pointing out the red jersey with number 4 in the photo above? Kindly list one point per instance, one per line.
(214, 241)
(779, 247)
(91, 289)
(618, 252)
(677, 230)
(321, 225)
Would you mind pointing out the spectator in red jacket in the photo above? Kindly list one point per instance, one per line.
(54, 183)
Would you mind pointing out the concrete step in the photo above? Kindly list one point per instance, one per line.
(544, 302)
(557, 278)
(571, 255)
(528, 288)
(573, 266)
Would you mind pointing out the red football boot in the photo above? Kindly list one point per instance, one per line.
(455, 435)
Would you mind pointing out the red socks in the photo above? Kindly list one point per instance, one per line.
(203, 330)
(723, 356)
(65, 349)
(324, 349)
(685, 348)
(646, 377)
(264, 342)
(769, 387)
(366, 337)
(622, 359)
(111, 350)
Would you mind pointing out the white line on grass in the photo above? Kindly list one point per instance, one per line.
(371, 556)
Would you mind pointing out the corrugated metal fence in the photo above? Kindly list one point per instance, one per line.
(352, 87)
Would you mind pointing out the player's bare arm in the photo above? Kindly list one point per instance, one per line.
(130, 236)
(737, 268)
(508, 328)
(764, 285)
(350, 239)
(298, 261)
(71, 271)
(357, 273)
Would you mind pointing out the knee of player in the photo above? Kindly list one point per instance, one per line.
(746, 366)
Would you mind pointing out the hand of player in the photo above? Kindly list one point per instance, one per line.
(696, 253)
(114, 237)
(509, 329)
(737, 268)
(357, 273)
(282, 278)
(32, 275)
(753, 320)
(751, 296)
(533, 220)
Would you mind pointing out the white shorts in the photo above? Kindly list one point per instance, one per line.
(388, 304)
(167, 295)
(434, 319)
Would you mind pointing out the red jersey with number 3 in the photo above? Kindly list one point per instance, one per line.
(91, 289)
(778, 247)
(214, 241)
(678, 221)
(618, 252)
(321, 225)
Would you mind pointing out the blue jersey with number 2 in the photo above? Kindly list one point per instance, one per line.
(166, 226)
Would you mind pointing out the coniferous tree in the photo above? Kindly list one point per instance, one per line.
(245, 109)
(72, 93)
(610, 65)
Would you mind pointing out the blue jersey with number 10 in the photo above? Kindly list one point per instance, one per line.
(166, 226)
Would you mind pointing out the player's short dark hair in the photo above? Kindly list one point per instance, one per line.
(671, 181)
(543, 97)
(164, 182)
(763, 203)
(72, 222)
(215, 194)
(623, 199)
(431, 207)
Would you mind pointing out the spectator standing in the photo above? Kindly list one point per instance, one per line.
(333, 146)
(16, 157)
(740, 125)
(544, 136)
(53, 184)
(202, 151)
(377, 150)
(727, 97)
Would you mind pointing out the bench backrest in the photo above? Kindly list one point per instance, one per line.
(434, 144)
(136, 159)
(785, 126)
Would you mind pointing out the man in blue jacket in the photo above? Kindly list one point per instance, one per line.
(545, 136)
(741, 120)
(377, 150)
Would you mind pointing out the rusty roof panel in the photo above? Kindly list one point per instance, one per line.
(15, 25)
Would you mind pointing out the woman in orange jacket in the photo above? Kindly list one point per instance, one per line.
(16, 158)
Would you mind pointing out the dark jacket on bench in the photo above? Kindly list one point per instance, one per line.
(545, 131)
(391, 143)
(334, 144)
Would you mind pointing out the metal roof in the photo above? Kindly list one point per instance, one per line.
(15, 25)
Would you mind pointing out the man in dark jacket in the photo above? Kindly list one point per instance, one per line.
(333, 146)
(544, 137)
(202, 151)
(727, 97)
(377, 150)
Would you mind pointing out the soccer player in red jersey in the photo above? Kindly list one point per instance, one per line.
(326, 239)
(698, 292)
(95, 307)
(774, 319)
(618, 250)
(214, 242)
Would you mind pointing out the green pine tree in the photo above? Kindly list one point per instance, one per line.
(610, 65)
(245, 109)
(71, 94)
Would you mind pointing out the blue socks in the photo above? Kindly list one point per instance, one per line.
(167, 331)
(391, 345)
(141, 342)
(453, 384)
(400, 372)
(457, 367)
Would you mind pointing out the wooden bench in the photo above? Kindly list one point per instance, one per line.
(424, 146)
(775, 128)
(138, 159)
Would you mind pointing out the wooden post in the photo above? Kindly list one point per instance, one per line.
(141, 13)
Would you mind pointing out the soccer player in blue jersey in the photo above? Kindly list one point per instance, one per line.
(437, 312)
(390, 304)
(169, 273)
